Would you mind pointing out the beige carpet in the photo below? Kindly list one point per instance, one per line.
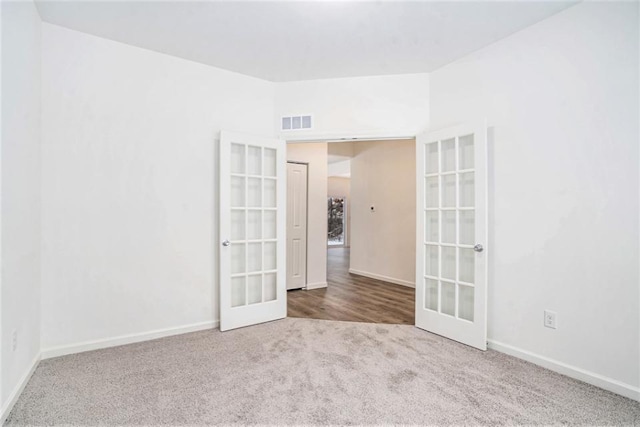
(303, 371)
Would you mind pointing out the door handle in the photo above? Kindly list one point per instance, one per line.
(478, 248)
(226, 243)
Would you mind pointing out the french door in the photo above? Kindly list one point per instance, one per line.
(252, 230)
(451, 256)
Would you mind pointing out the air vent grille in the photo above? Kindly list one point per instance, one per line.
(296, 122)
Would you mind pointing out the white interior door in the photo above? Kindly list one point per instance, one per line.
(252, 230)
(451, 263)
(296, 225)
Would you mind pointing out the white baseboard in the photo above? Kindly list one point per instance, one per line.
(592, 378)
(318, 285)
(383, 278)
(48, 353)
(17, 391)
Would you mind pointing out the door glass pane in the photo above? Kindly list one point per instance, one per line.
(465, 152)
(465, 302)
(449, 191)
(269, 224)
(237, 225)
(431, 260)
(254, 225)
(237, 158)
(254, 161)
(467, 190)
(237, 191)
(254, 289)
(431, 158)
(448, 303)
(237, 258)
(467, 227)
(270, 287)
(431, 294)
(467, 265)
(270, 255)
(448, 263)
(254, 257)
(269, 193)
(238, 291)
(449, 155)
(431, 192)
(431, 226)
(269, 162)
(254, 198)
(449, 227)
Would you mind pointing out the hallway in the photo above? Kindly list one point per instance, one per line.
(353, 298)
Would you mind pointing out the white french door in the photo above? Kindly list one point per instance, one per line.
(451, 257)
(252, 230)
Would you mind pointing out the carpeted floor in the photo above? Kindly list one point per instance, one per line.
(304, 371)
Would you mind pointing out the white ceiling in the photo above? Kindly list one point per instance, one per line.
(290, 40)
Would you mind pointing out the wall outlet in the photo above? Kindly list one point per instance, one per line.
(14, 340)
(550, 319)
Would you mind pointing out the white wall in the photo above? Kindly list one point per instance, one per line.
(341, 187)
(316, 155)
(383, 242)
(562, 97)
(20, 212)
(129, 182)
(360, 106)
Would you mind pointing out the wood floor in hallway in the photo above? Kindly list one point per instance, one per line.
(353, 298)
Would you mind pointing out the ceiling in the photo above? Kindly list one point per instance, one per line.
(301, 40)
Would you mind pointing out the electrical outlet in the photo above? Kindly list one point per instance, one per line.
(550, 319)
(14, 340)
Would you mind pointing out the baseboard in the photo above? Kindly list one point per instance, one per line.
(125, 339)
(317, 285)
(592, 378)
(17, 391)
(383, 278)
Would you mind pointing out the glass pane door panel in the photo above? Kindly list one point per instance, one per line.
(237, 225)
(449, 227)
(254, 289)
(238, 291)
(237, 191)
(270, 224)
(254, 196)
(448, 303)
(467, 227)
(269, 256)
(237, 158)
(254, 225)
(465, 152)
(270, 287)
(431, 260)
(431, 158)
(467, 190)
(254, 257)
(254, 161)
(449, 191)
(431, 294)
(467, 265)
(431, 226)
(465, 302)
(448, 263)
(449, 155)
(269, 162)
(431, 192)
(238, 258)
(269, 193)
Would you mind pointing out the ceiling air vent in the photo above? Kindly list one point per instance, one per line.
(296, 122)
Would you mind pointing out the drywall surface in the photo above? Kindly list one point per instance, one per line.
(20, 212)
(383, 241)
(562, 97)
(341, 187)
(129, 181)
(361, 106)
(315, 154)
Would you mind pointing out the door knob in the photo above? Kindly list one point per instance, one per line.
(226, 243)
(478, 248)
